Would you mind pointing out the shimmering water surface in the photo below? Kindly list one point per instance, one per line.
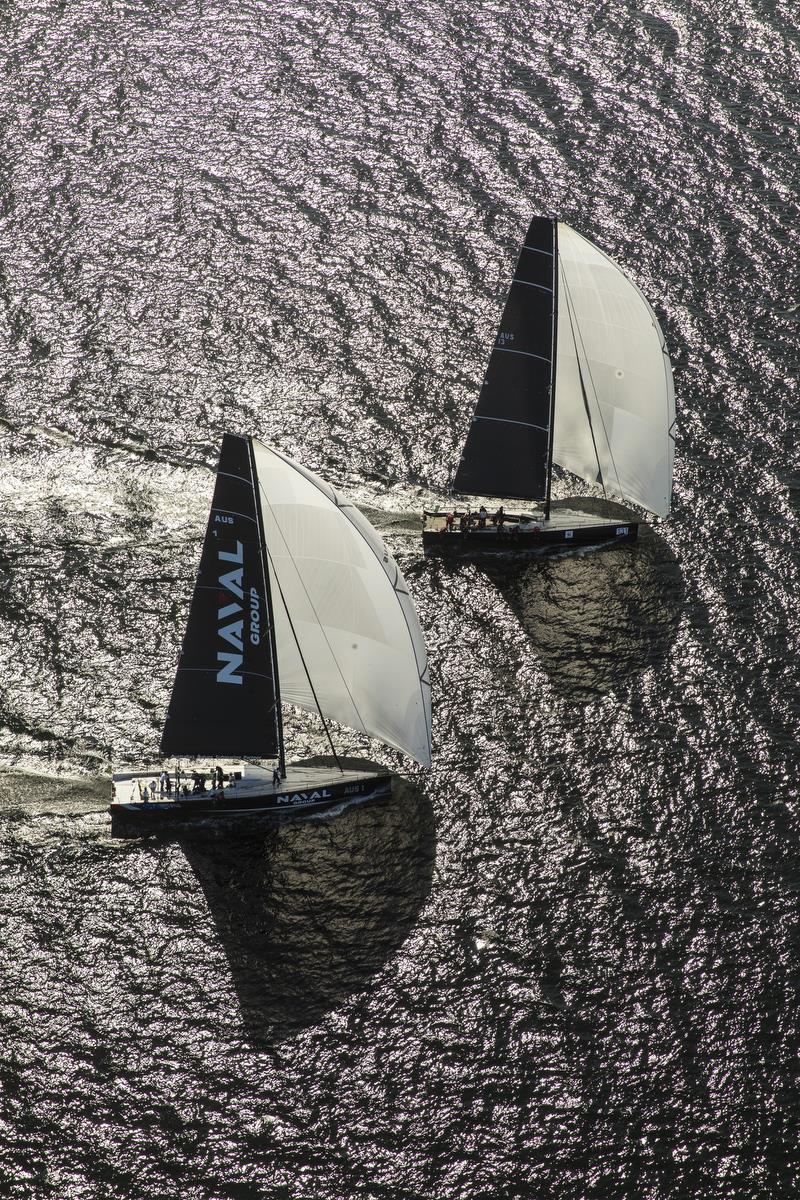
(565, 962)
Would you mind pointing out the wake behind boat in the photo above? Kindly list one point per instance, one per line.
(579, 377)
(297, 600)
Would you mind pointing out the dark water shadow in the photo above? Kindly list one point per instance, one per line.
(596, 617)
(309, 911)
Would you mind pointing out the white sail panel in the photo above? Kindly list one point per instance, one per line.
(343, 615)
(615, 401)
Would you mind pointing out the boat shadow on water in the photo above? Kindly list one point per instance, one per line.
(599, 617)
(309, 911)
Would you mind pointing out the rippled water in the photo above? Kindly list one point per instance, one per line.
(566, 962)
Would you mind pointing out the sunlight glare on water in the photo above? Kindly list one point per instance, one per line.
(564, 962)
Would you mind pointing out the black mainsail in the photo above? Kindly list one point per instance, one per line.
(225, 698)
(508, 448)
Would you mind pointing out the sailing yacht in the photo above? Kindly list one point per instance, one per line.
(579, 377)
(297, 601)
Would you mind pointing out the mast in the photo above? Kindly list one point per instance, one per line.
(551, 425)
(270, 611)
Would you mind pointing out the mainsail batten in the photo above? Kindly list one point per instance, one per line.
(224, 696)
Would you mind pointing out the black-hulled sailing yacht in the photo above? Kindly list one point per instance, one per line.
(580, 377)
(297, 600)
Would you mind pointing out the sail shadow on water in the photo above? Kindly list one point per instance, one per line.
(309, 911)
(598, 619)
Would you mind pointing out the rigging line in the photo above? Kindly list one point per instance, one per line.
(594, 389)
(262, 546)
(303, 661)
(316, 483)
(313, 609)
(585, 398)
(669, 381)
(551, 407)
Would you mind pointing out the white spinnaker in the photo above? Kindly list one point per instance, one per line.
(609, 337)
(334, 581)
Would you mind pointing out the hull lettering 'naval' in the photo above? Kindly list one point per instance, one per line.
(304, 797)
(230, 616)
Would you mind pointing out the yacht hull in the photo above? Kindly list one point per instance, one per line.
(509, 540)
(301, 793)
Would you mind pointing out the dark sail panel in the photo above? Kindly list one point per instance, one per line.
(506, 449)
(223, 699)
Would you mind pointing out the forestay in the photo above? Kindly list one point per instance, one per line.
(615, 401)
(344, 621)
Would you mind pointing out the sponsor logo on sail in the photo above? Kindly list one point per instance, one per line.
(230, 615)
(238, 615)
(255, 617)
